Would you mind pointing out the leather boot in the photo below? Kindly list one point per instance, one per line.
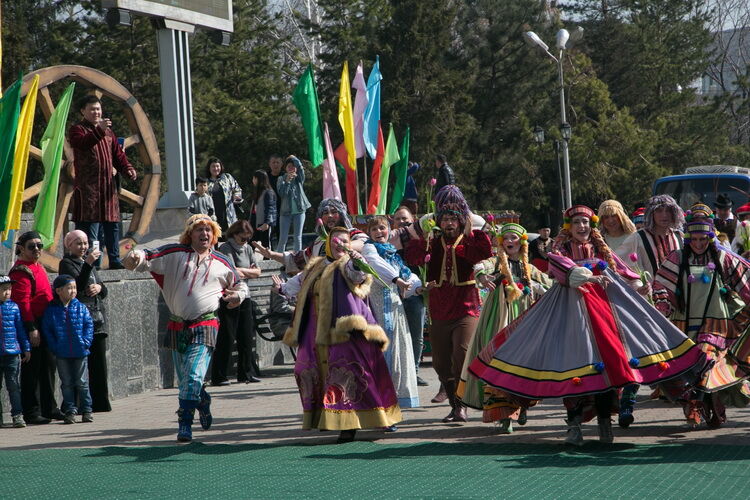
(204, 409)
(440, 396)
(450, 390)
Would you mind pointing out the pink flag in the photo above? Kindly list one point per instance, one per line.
(330, 176)
(360, 104)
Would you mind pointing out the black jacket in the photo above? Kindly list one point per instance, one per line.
(445, 177)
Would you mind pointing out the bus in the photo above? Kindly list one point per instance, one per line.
(705, 183)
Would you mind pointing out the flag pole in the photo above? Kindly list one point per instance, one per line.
(364, 164)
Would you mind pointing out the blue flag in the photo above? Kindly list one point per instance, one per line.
(372, 111)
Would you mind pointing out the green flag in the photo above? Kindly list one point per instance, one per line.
(52, 150)
(305, 98)
(399, 174)
(10, 108)
(391, 156)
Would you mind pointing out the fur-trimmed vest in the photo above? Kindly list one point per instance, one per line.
(320, 286)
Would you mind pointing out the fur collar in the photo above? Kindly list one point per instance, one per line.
(319, 279)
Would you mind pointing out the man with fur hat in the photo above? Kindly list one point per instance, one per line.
(341, 373)
(454, 300)
(331, 213)
(193, 278)
(725, 221)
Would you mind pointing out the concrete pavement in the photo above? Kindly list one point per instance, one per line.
(270, 412)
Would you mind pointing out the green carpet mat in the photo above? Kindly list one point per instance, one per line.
(374, 470)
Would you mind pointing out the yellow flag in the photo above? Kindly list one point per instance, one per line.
(346, 116)
(21, 157)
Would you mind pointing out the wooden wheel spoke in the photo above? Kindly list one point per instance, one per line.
(132, 140)
(131, 197)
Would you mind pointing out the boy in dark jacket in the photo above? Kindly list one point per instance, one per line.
(69, 330)
(14, 346)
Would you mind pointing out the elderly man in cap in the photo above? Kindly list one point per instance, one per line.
(32, 292)
(725, 221)
(194, 278)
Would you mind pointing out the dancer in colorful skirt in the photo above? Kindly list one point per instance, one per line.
(454, 301)
(193, 279)
(388, 308)
(513, 286)
(704, 290)
(590, 334)
(340, 371)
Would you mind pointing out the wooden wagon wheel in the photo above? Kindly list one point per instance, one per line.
(141, 135)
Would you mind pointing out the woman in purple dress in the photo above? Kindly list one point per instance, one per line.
(343, 380)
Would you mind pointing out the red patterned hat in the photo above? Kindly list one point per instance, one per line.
(579, 211)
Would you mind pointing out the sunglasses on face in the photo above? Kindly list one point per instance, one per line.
(35, 246)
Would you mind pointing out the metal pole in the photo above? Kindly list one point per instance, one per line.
(564, 144)
(560, 176)
(364, 163)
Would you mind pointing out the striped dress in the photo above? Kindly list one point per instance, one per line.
(715, 312)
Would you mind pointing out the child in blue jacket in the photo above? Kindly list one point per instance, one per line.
(14, 346)
(69, 330)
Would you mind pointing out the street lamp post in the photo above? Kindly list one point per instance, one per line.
(539, 139)
(561, 41)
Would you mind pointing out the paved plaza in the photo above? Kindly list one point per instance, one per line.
(270, 412)
(256, 449)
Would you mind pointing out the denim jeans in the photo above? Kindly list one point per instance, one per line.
(10, 365)
(74, 382)
(414, 309)
(111, 231)
(284, 222)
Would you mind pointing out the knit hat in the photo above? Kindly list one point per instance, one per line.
(450, 200)
(62, 280)
(74, 236)
(515, 229)
(579, 211)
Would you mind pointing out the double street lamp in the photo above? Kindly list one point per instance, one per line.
(561, 41)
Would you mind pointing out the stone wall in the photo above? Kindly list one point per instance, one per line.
(137, 318)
